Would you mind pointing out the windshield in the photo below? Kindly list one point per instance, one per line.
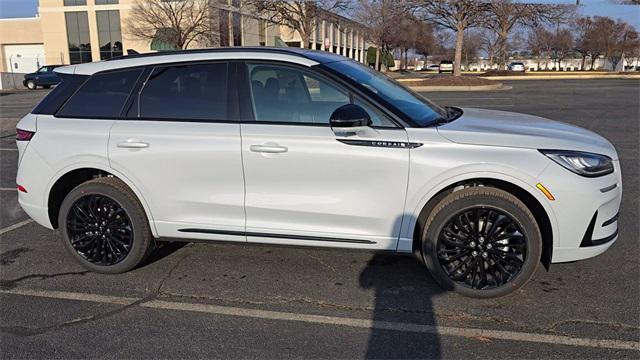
(422, 111)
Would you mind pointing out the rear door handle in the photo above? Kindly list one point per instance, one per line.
(270, 149)
(129, 144)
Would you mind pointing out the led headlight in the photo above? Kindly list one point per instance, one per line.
(581, 163)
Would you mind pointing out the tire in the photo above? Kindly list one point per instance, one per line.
(505, 251)
(31, 85)
(120, 238)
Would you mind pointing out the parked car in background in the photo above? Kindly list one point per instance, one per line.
(289, 146)
(517, 66)
(44, 77)
(445, 66)
(433, 67)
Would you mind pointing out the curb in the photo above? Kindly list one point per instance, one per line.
(496, 87)
(560, 77)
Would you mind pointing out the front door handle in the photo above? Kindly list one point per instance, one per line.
(268, 148)
(129, 144)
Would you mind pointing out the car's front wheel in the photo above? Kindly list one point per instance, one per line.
(104, 226)
(31, 85)
(481, 242)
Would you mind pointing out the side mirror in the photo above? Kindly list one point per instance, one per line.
(350, 117)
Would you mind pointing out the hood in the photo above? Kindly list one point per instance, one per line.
(501, 128)
(30, 76)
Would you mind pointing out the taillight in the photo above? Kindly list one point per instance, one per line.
(24, 135)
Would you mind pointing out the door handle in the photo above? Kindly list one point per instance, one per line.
(270, 149)
(133, 144)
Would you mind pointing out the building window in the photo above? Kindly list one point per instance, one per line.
(224, 28)
(75, 2)
(109, 34)
(237, 23)
(262, 32)
(106, 2)
(78, 37)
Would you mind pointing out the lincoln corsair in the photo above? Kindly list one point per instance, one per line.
(298, 147)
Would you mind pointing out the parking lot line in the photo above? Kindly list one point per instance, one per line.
(15, 226)
(337, 321)
(8, 189)
(8, 149)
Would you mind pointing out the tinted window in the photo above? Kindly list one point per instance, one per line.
(197, 92)
(67, 87)
(102, 96)
(285, 94)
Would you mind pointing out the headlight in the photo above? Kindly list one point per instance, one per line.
(581, 163)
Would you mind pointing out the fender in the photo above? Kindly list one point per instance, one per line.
(465, 173)
(104, 167)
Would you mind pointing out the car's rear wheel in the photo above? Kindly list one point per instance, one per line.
(104, 226)
(31, 85)
(481, 242)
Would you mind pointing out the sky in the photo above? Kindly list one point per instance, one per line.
(628, 13)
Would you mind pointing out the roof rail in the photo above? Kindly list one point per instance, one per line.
(282, 50)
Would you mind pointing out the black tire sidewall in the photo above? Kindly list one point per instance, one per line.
(139, 224)
(472, 199)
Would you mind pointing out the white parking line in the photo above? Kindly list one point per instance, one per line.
(15, 226)
(339, 321)
(8, 149)
(8, 189)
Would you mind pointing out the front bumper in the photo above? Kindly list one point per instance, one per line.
(586, 212)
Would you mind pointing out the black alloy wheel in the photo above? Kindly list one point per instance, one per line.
(481, 242)
(99, 230)
(104, 226)
(482, 248)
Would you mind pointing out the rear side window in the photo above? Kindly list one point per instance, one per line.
(186, 92)
(102, 96)
(63, 91)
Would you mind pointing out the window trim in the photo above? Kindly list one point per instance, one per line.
(317, 71)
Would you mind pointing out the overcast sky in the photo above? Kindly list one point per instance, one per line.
(628, 13)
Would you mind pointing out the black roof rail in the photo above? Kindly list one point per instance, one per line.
(266, 49)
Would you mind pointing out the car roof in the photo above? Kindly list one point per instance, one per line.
(293, 55)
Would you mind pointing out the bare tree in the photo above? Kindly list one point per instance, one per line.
(379, 17)
(505, 15)
(489, 44)
(178, 23)
(299, 15)
(583, 28)
(626, 43)
(472, 45)
(561, 46)
(456, 15)
(540, 42)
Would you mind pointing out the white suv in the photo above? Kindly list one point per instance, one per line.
(284, 146)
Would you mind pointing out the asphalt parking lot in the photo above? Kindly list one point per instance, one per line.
(229, 301)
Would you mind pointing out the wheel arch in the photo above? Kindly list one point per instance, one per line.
(71, 177)
(539, 211)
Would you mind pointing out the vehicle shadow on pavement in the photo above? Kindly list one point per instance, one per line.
(403, 294)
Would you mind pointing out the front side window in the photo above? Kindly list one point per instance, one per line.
(102, 96)
(78, 37)
(109, 33)
(186, 92)
(283, 94)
